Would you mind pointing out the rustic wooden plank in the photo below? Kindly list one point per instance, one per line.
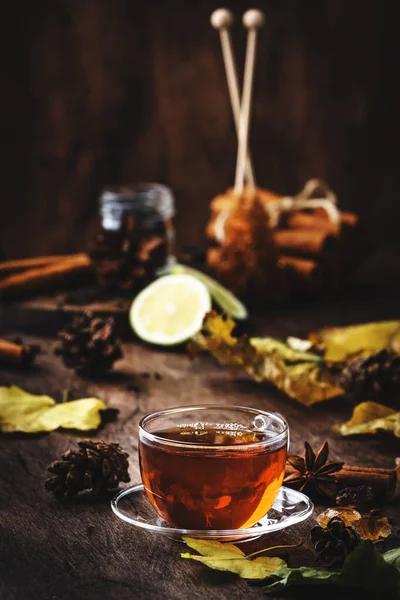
(77, 549)
(54, 303)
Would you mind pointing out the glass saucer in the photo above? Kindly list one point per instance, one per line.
(290, 507)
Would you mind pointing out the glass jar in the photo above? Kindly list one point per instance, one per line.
(136, 240)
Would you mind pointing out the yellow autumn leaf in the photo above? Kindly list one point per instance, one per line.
(221, 326)
(28, 413)
(228, 557)
(308, 383)
(339, 344)
(370, 417)
(84, 414)
(301, 375)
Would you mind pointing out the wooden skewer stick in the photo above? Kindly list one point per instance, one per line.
(253, 20)
(222, 19)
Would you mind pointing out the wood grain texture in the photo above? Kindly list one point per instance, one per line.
(100, 92)
(78, 550)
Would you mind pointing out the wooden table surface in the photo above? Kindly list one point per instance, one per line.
(77, 549)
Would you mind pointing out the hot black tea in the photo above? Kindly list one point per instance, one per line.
(221, 482)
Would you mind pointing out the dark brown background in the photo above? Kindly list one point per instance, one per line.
(96, 92)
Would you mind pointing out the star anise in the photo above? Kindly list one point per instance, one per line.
(312, 474)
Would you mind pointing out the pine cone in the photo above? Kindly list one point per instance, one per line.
(334, 543)
(89, 345)
(130, 257)
(376, 377)
(96, 466)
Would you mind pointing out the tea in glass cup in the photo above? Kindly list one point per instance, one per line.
(212, 467)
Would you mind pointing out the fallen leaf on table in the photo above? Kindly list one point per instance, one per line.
(304, 576)
(228, 557)
(287, 353)
(370, 417)
(28, 413)
(392, 557)
(377, 573)
(301, 375)
(339, 344)
(217, 339)
(369, 528)
(364, 568)
(308, 383)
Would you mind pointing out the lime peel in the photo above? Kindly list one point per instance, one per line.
(225, 299)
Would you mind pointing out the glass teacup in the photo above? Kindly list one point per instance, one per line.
(212, 467)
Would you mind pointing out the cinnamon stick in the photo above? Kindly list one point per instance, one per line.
(214, 257)
(304, 269)
(22, 264)
(48, 277)
(302, 266)
(301, 220)
(382, 481)
(305, 220)
(303, 242)
(17, 354)
(346, 217)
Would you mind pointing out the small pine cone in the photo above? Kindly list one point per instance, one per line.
(334, 543)
(96, 466)
(376, 377)
(89, 345)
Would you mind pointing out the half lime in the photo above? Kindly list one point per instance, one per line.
(170, 310)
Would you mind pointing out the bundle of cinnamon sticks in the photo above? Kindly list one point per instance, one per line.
(22, 277)
(309, 252)
(266, 247)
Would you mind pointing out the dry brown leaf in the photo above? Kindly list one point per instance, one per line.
(301, 375)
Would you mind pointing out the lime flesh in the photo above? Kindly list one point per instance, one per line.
(170, 310)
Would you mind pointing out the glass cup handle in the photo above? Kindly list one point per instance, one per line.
(261, 423)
